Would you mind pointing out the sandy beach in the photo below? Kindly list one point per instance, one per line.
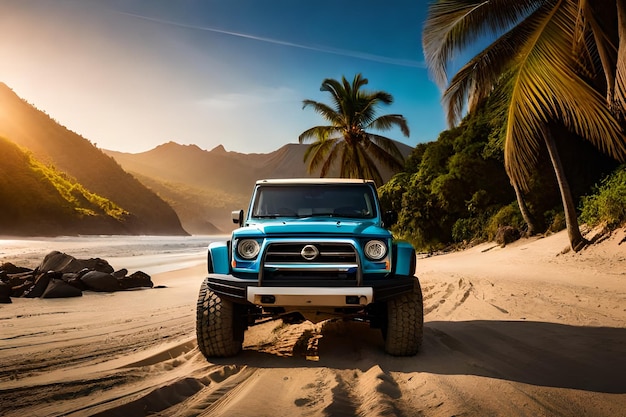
(526, 330)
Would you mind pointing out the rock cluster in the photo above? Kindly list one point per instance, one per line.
(61, 275)
(506, 235)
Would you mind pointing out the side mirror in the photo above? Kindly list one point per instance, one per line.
(238, 217)
(390, 218)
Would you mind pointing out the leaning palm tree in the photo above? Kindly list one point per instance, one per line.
(553, 63)
(348, 139)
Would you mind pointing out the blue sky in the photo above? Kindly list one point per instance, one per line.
(132, 74)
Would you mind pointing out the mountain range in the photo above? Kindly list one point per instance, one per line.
(171, 189)
(83, 165)
(204, 187)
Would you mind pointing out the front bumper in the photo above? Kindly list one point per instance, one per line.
(313, 297)
(309, 292)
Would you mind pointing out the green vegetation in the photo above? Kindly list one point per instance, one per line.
(453, 190)
(456, 191)
(607, 205)
(82, 201)
(39, 200)
(347, 138)
(81, 163)
(557, 68)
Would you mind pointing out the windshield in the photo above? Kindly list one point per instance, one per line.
(308, 200)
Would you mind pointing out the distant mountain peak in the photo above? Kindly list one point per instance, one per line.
(218, 149)
(174, 146)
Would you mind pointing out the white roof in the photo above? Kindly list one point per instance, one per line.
(313, 181)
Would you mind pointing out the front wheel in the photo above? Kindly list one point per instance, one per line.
(404, 327)
(220, 324)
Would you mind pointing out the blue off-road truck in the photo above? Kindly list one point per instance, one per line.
(310, 249)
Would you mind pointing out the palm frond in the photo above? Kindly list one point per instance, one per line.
(453, 25)
(336, 149)
(477, 79)
(325, 111)
(546, 87)
(378, 97)
(597, 37)
(385, 151)
(589, 48)
(389, 121)
(369, 104)
(348, 163)
(336, 90)
(318, 153)
(358, 82)
(317, 133)
(618, 103)
(370, 170)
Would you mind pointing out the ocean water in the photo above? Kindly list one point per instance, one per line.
(150, 254)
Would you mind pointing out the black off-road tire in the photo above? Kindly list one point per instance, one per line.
(220, 324)
(404, 327)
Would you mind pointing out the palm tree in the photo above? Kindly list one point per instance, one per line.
(347, 137)
(553, 62)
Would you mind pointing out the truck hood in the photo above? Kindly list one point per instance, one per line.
(316, 227)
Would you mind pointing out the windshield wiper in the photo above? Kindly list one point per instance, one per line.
(304, 216)
(273, 216)
(350, 215)
(317, 215)
(329, 214)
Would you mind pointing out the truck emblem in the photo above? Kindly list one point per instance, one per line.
(309, 252)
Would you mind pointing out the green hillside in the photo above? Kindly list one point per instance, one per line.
(37, 199)
(70, 153)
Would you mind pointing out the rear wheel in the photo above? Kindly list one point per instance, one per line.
(404, 325)
(220, 324)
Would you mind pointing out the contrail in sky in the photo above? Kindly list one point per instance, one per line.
(324, 49)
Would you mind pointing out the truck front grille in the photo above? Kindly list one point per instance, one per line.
(328, 253)
(327, 261)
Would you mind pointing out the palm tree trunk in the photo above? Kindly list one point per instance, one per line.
(523, 208)
(577, 242)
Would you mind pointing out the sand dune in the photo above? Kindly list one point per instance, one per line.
(518, 331)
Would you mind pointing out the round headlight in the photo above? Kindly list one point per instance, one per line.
(248, 248)
(375, 250)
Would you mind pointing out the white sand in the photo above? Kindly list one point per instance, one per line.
(516, 331)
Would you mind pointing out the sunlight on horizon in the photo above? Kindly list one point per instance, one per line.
(129, 81)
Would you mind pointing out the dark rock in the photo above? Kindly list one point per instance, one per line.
(98, 264)
(9, 268)
(19, 278)
(100, 281)
(19, 289)
(5, 293)
(41, 283)
(506, 235)
(73, 279)
(82, 272)
(19, 282)
(58, 288)
(120, 273)
(61, 275)
(136, 280)
(58, 261)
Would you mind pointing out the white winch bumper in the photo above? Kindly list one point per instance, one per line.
(310, 297)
